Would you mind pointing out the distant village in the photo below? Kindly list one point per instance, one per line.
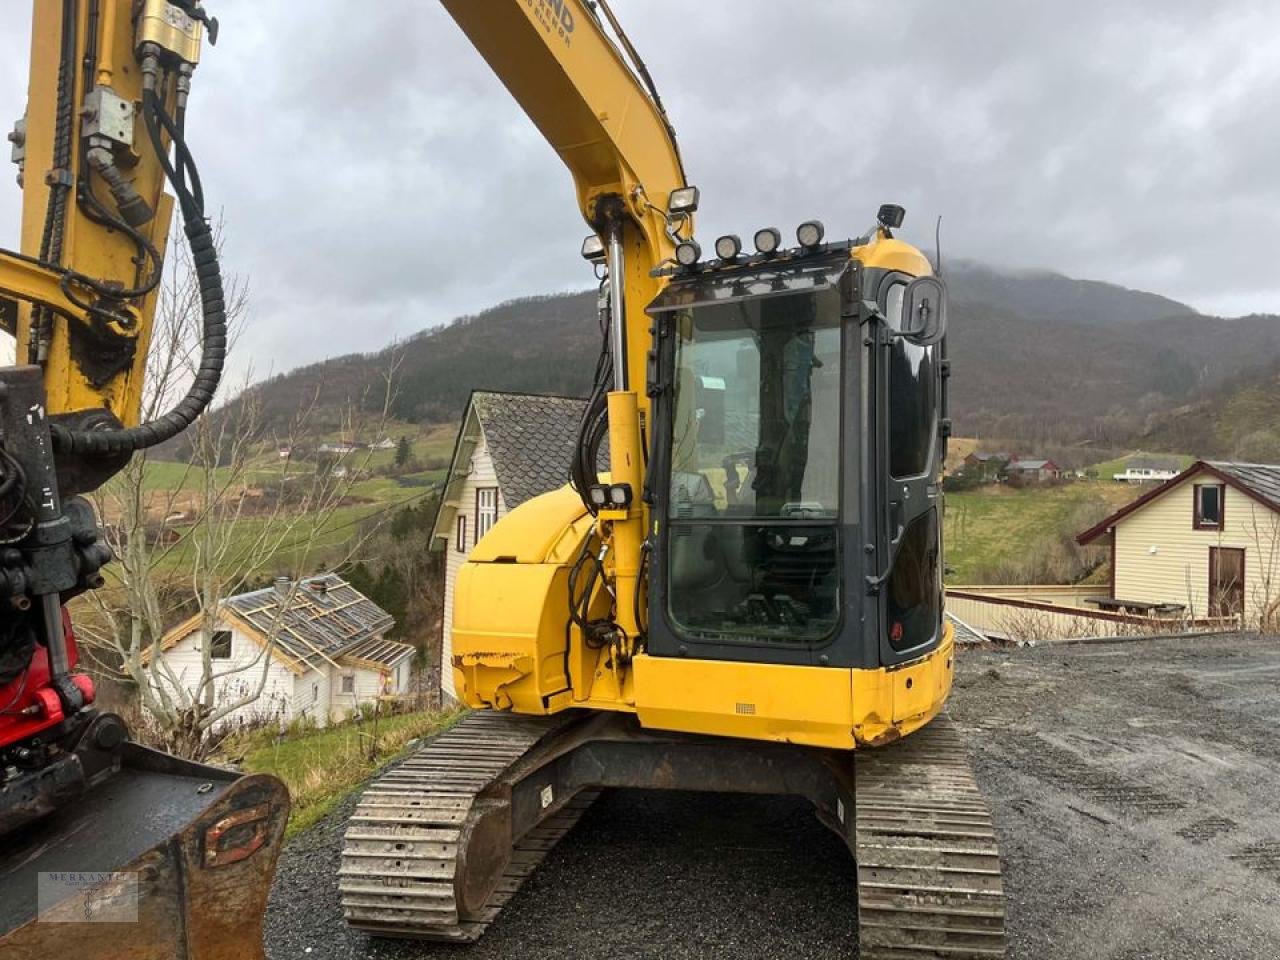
(981, 467)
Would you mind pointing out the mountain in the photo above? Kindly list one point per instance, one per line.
(1049, 297)
(1036, 357)
(1239, 419)
(1092, 381)
(544, 344)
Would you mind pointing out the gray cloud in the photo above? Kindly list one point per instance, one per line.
(375, 178)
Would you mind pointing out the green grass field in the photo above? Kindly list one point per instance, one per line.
(173, 487)
(995, 523)
(321, 767)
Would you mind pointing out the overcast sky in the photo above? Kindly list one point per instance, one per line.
(376, 179)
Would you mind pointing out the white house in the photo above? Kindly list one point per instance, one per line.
(1149, 470)
(510, 448)
(329, 654)
(341, 448)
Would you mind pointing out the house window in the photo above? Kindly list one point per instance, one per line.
(460, 539)
(1210, 502)
(486, 510)
(220, 645)
(348, 683)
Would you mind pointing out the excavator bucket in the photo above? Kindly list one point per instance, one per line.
(151, 857)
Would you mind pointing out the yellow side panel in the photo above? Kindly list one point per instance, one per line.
(541, 530)
(508, 634)
(816, 706)
(810, 705)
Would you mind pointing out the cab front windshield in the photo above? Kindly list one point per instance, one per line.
(755, 475)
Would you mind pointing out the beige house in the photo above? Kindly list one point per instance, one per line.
(329, 654)
(1207, 540)
(511, 447)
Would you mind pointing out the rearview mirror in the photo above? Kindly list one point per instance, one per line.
(924, 311)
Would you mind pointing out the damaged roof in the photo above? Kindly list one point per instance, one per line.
(321, 617)
(377, 651)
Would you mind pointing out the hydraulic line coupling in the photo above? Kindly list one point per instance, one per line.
(175, 27)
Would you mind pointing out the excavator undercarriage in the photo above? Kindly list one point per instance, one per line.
(440, 843)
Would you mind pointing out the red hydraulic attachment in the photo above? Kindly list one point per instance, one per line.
(28, 704)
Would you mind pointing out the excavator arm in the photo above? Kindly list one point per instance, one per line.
(589, 95)
(108, 88)
(184, 850)
(576, 75)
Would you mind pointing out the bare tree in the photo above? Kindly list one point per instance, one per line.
(237, 512)
(1264, 578)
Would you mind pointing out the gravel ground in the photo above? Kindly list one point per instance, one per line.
(1136, 789)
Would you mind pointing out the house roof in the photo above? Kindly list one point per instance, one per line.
(324, 616)
(376, 652)
(1033, 465)
(989, 456)
(1263, 479)
(1153, 463)
(1258, 481)
(531, 439)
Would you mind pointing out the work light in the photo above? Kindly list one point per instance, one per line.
(688, 253)
(810, 233)
(728, 246)
(891, 215)
(768, 240)
(683, 200)
(593, 249)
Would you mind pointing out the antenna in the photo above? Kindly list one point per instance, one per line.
(937, 245)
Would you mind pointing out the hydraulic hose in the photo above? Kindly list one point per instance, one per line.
(213, 353)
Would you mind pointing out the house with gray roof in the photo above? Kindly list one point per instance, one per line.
(511, 447)
(314, 648)
(1034, 470)
(1207, 541)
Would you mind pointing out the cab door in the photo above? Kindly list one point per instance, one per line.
(909, 392)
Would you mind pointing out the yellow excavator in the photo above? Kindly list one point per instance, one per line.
(747, 600)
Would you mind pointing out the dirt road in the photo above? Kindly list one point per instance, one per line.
(1136, 788)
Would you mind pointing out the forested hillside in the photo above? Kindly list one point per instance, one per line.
(1038, 358)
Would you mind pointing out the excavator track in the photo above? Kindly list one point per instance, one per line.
(423, 857)
(928, 865)
(405, 843)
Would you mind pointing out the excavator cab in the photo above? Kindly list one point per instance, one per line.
(798, 410)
